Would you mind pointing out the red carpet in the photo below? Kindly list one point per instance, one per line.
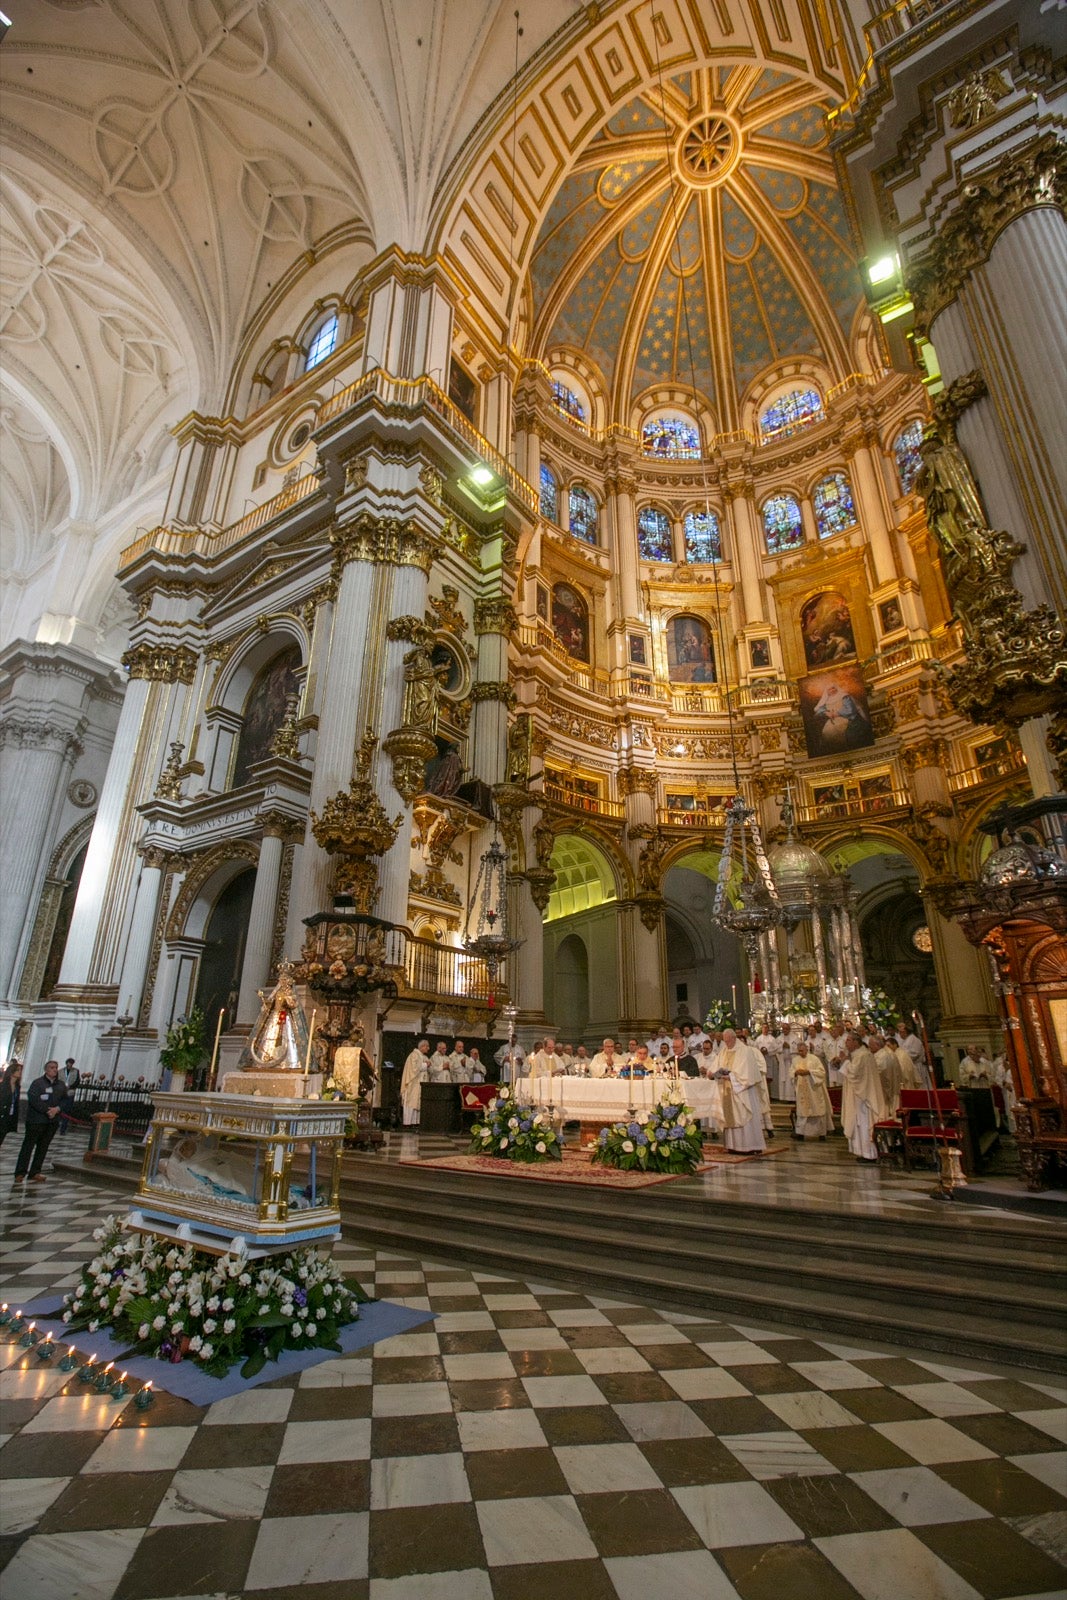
(576, 1168)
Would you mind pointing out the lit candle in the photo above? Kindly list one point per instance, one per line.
(103, 1382)
(5, 1315)
(144, 1397)
(118, 1388)
(86, 1373)
(69, 1361)
(733, 999)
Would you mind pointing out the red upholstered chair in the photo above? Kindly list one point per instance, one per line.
(931, 1117)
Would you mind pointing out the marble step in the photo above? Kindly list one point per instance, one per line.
(1016, 1252)
(969, 1332)
(1037, 1299)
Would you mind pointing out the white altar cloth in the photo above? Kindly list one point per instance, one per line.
(587, 1099)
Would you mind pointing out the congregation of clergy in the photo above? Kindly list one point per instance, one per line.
(731, 1076)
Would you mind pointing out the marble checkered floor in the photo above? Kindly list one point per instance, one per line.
(530, 1441)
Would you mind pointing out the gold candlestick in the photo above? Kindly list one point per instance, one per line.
(215, 1050)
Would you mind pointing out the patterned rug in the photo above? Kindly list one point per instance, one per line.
(576, 1168)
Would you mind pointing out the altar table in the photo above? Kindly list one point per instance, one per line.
(594, 1102)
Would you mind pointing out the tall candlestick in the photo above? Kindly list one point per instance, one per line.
(733, 998)
(311, 1036)
(215, 1050)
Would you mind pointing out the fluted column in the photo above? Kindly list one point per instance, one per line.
(493, 622)
(338, 713)
(869, 490)
(255, 972)
(36, 758)
(143, 921)
(746, 553)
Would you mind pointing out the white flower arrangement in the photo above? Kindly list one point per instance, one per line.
(665, 1139)
(516, 1131)
(168, 1301)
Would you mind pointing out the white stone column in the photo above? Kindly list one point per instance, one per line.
(868, 487)
(142, 928)
(338, 712)
(115, 796)
(255, 971)
(36, 758)
(642, 971)
(745, 556)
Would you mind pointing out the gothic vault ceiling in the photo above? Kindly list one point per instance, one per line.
(700, 232)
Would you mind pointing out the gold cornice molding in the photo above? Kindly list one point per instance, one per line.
(495, 616)
(1026, 179)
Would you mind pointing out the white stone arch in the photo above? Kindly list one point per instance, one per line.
(799, 372)
(255, 650)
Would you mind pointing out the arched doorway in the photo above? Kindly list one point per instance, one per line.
(222, 956)
(571, 1008)
(703, 962)
(893, 924)
(581, 966)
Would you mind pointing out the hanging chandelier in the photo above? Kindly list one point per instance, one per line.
(487, 934)
(759, 909)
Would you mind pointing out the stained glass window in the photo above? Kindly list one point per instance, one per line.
(834, 507)
(549, 495)
(906, 449)
(323, 343)
(703, 538)
(790, 412)
(568, 402)
(582, 509)
(782, 526)
(674, 437)
(654, 535)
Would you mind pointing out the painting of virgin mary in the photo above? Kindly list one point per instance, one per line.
(690, 654)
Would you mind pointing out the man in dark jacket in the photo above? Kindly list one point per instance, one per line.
(44, 1103)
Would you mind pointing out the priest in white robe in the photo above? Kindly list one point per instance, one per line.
(815, 1114)
(863, 1099)
(416, 1072)
(889, 1069)
(606, 1063)
(459, 1063)
(546, 1062)
(740, 1074)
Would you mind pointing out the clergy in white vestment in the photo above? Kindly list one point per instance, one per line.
(815, 1114)
(440, 1064)
(546, 1062)
(862, 1100)
(460, 1063)
(605, 1064)
(740, 1074)
(975, 1066)
(706, 1058)
(787, 1043)
(889, 1070)
(511, 1050)
(1003, 1079)
(909, 1040)
(476, 1065)
(416, 1072)
(909, 1072)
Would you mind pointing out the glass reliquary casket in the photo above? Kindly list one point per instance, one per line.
(225, 1171)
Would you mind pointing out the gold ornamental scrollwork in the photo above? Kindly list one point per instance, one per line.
(407, 630)
(161, 663)
(1024, 180)
(1015, 662)
(443, 614)
(354, 827)
(383, 541)
(977, 98)
(495, 616)
(638, 780)
(494, 691)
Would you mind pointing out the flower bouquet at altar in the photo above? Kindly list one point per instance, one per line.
(877, 1009)
(515, 1131)
(179, 1304)
(719, 1016)
(665, 1139)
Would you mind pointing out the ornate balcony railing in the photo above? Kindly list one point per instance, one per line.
(987, 771)
(410, 395)
(593, 804)
(201, 542)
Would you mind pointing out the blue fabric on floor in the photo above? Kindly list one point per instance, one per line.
(378, 1319)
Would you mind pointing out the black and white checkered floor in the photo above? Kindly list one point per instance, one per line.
(531, 1441)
